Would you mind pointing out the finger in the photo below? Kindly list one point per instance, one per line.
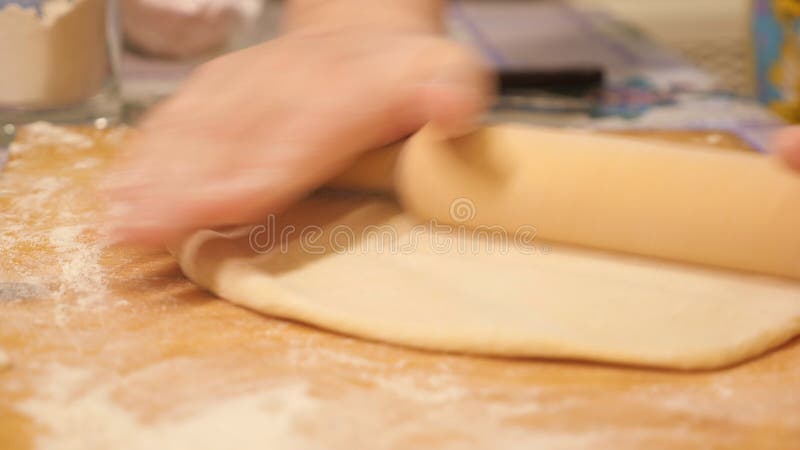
(182, 181)
(786, 144)
(456, 94)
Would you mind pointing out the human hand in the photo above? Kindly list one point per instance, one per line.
(254, 130)
(787, 146)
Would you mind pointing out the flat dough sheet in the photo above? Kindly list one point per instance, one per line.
(360, 266)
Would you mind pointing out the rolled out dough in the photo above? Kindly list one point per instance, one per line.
(366, 268)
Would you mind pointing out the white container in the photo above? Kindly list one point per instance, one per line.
(59, 60)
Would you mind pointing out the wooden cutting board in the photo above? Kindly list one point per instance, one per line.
(111, 347)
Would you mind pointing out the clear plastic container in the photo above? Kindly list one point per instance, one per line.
(60, 61)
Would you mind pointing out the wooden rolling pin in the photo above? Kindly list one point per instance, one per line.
(702, 205)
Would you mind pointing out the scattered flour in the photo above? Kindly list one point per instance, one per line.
(14, 291)
(440, 389)
(81, 272)
(76, 412)
(87, 163)
(79, 418)
(40, 192)
(722, 390)
(46, 211)
(47, 134)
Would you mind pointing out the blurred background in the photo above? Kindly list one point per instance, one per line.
(713, 34)
(722, 65)
(677, 64)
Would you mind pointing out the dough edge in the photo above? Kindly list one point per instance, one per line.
(238, 281)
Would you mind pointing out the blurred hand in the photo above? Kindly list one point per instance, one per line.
(787, 146)
(254, 130)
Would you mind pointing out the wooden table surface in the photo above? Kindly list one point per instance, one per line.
(112, 348)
